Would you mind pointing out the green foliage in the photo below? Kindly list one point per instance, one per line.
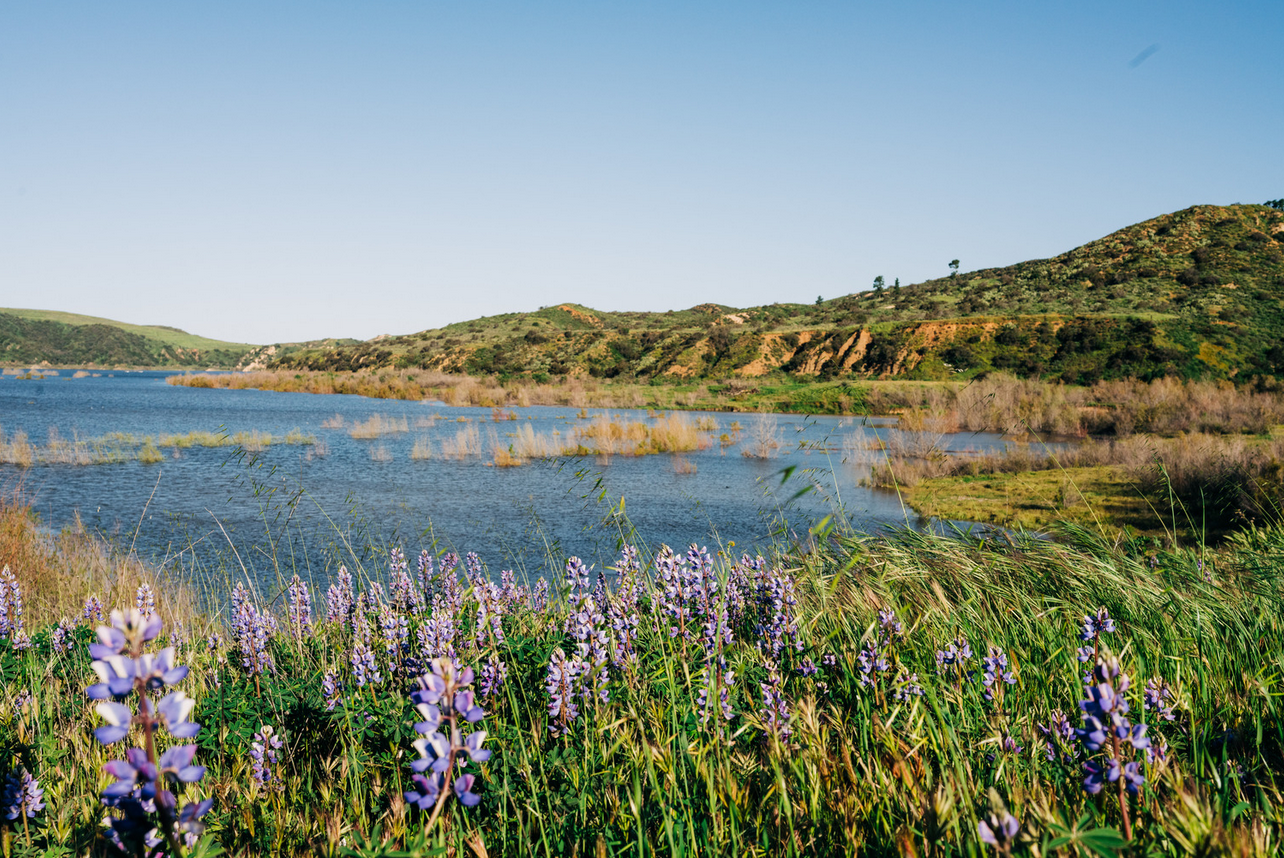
(27, 337)
(861, 772)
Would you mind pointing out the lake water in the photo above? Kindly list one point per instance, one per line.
(301, 508)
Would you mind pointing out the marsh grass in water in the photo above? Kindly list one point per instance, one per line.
(116, 447)
(911, 693)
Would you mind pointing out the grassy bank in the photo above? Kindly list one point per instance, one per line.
(997, 402)
(855, 720)
(1199, 486)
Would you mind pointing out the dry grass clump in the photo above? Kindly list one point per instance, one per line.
(17, 451)
(677, 433)
(422, 449)
(607, 436)
(529, 444)
(335, 422)
(57, 572)
(465, 443)
(764, 438)
(379, 453)
(379, 424)
(1166, 406)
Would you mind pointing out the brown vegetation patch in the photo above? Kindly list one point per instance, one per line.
(580, 315)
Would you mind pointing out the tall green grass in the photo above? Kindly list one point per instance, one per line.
(640, 775)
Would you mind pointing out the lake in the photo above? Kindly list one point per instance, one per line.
(214, 511)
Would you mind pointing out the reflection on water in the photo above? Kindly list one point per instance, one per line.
(416, 474)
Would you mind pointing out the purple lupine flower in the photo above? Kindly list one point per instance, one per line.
(775, 708)
(1094, 626)
(807, 667)
(22, 796)
(444, 701)
(493, 674)
(1160, 699)
(407, 598)
(587, 626)
(1057, 738)
(539, 596)
(339, 599)
(741, 587)
(999, 831)
(426, 575)
(265, 754)
(490, 615)
(715, 681)
(954, 658)
(716, 632)
(890, 628)
(11, 621)
(178, 635)
(452, 592)
(1107, 733)
(60, 639)
(562, 683)
(332, 688)
(778, 627)
(145, 600)
(1005, 743)
(141, 797)
(360, 618)
(254, 630)
(299, 609)
(513, 594)
(365, 671)
(995, 670)
(578, 576)
(214, 641)
(622, 611)
(870, 665)
(93, 611)
(396, 637)
(675, 594)
(436, 635)
(905, 685)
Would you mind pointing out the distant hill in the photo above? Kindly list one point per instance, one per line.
(35, 337)
(1195, 293)
(67, 339)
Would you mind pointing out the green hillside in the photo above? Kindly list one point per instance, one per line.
(67, 339)
(1195, 293)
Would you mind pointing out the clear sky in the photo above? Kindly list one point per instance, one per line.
(272, 171)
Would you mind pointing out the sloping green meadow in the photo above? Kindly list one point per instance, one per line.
(847, 732)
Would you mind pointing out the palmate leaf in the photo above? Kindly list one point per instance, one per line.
(1106, 842)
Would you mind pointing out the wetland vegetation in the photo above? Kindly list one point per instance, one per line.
(907, 693)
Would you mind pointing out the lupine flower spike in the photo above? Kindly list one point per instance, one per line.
(21, 798)
(446, 703)
(1106, 734)
(265, 754)
(143, 812)
(999, 831)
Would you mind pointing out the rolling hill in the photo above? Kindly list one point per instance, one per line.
(1197, 293)
(38, 337)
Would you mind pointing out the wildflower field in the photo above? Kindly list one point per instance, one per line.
(907, 694)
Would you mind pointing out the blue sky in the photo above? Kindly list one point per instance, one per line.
(268, 172)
